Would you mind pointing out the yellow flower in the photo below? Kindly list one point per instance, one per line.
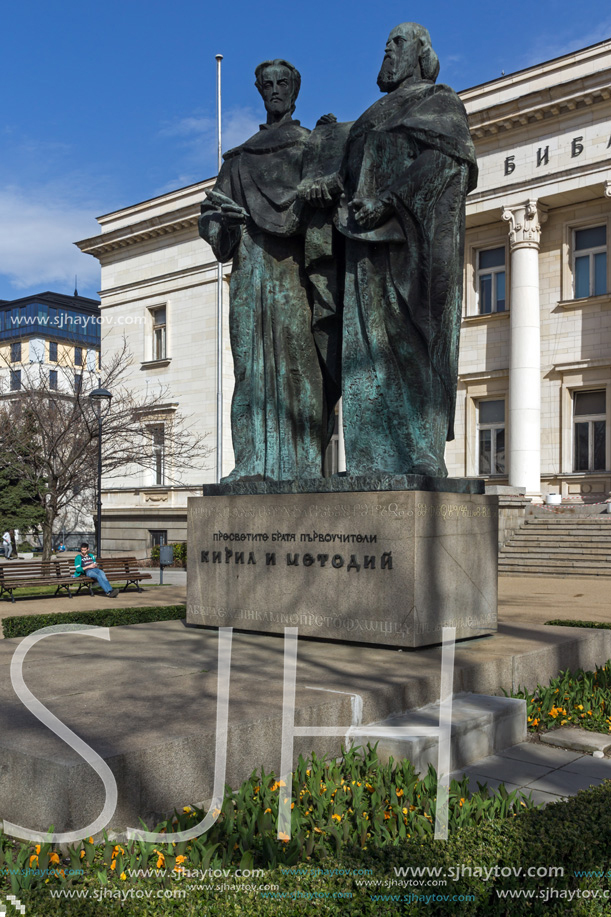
(579, 707)
(318, 831)
(337, 817)
(187, 809)
(284, 837)
(117, 849)
(33, 860)
(91, 840)
(462, 799)
(266, 811)
(404, 810)
(54, 858)
(399, 792)
(113, 864)
(256, 789)
(160, 860)
(82, 854)
(123, 876)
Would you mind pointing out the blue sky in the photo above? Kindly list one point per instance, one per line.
(106, 104)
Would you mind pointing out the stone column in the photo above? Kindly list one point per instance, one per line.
(524, 416)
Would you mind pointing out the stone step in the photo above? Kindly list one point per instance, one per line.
(481, 726)
(554, 559)
(541, 571)
(570, 551)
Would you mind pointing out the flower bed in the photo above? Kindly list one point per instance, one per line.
(579, 698)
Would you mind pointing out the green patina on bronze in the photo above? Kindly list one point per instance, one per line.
(366, 215)
(281, 405)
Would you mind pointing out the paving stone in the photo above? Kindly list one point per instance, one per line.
(578, 739)
(536, 754)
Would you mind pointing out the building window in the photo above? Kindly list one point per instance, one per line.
(52, 351)
(78, 356)
(15, 380)
(589, 431)
(78, 383)
(158, 538)
(590, 261)
(491, 437)
(491, 280)
(16, 352)
(37, 351)
(158, 438)
(53, 379)
(159, 333)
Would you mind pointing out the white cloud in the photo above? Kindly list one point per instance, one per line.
(38, 228)
(196, 142)
(549, 46)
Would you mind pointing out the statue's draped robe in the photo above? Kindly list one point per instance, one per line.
(403, 288)
(277, 408)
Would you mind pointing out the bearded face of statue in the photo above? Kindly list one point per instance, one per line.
(401, 59)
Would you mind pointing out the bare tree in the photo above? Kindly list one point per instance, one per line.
(51, 433)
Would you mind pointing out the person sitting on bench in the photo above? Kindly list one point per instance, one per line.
(84, 563)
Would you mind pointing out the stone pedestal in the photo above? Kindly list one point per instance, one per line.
(388, 567)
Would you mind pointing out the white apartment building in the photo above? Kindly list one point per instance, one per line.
(534, 392)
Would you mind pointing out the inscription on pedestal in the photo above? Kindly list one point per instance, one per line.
(390, 571)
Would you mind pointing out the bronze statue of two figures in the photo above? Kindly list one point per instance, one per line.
(347, 246)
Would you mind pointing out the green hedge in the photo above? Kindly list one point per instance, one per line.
(104, 617)
(604, 625)
(179, 553)
(574, 836)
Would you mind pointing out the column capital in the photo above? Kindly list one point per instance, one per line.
(608, 188)
(525, 223)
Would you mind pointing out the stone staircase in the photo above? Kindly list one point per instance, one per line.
(559, 544)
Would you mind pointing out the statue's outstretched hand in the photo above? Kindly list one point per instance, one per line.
(233, 213)
(326, 119)
(369, 212)
(323, 192)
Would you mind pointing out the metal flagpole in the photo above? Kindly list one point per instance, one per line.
(219, 301)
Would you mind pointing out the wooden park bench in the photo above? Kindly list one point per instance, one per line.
(115, 568)
(60, 573)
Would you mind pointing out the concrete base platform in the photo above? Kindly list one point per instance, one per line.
(146, 701)
(481, 726)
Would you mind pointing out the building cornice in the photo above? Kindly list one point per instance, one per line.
(550, 102)
(165, 224)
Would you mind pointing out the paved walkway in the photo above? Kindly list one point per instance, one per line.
(546, 774)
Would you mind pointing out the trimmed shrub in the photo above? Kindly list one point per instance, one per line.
(104, 617)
